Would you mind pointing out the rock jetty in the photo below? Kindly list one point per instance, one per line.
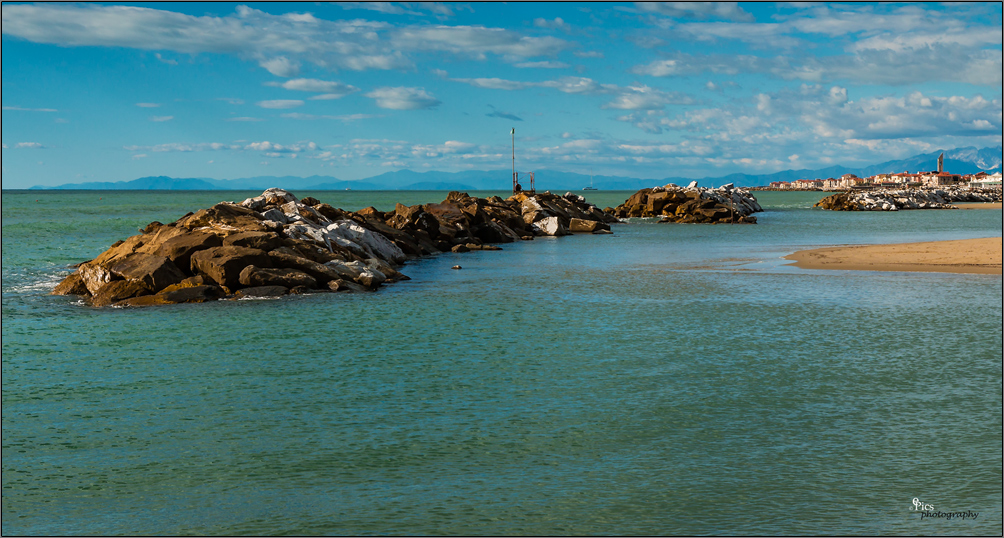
(897, 199)
(277, 244)
(691, 204)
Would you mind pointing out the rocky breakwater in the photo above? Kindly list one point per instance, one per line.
(692, 204)
(276, 244)
(897, 199)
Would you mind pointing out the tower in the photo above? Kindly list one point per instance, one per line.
(941, 163)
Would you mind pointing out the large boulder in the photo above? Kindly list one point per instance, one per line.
(260, 292)
(551, 226)
(580, 226)
(223, 265)
(319, 271)
(71, 285)
(351, 234)
(261, 240)
(225, 216)
(94, 276)
(157, 272)
(119, 250)
(193, 294)
(118, 290)
(259, 276)
(179, 249)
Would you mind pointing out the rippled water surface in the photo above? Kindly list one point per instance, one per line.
(666, 379)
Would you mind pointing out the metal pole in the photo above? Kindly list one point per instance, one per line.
(513, 133)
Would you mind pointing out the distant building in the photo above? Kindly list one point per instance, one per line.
(986, 180)
(941, 163)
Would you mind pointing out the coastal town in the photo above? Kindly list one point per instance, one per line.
(900, 180)
(906, 179)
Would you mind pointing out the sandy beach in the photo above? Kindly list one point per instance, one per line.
(989, 205)
(981, 256)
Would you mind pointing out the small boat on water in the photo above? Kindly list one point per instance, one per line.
(590, 187)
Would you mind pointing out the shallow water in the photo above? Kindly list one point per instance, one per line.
(666, 379)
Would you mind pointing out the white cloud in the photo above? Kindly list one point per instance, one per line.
(406, 8)
(139, 156)
(493, 83)
(29, 145)
(331, 89)
(21, 109)
(161, 118)
(557, 23)
(588, 54)
(278, 43)
(477, 41)
(244, 118)
(272, 149)
(280, 103)
(403, 98)
(165, 60)
(543, 65)
(148, 105)
(697, 10)
(345, 117)
(646, 98)
(281, 66)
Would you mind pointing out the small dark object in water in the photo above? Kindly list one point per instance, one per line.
(456, 267)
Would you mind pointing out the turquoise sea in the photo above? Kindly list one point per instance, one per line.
(666, 379)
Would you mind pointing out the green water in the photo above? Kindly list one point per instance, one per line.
(666, 379)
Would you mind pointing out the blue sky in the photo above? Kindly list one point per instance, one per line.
(112, 92)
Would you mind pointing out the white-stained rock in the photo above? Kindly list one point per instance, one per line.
(373, 244)
(278, 196)
(274, 215)
(344, 269)
(94, 276)
(257, 203)
(550, 226)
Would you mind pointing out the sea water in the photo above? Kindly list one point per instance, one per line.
(665, 379)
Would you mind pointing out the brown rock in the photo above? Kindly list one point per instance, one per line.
(179, 249)
(223, 265)
(225, 215)
(321, 273)
(309, 200)
(290, 278)
(371, 212)
(586, 226)
(262, 291)
(261, 240)
(194, 294)
(329, 212)
(119, 250)
(460, 249)
(71, 285)
(447, 214)
(157, 272)
(638, 198)
(345, 285)
(189, 282)
(118, 290)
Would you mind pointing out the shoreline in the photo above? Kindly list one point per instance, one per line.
(979, 205)
(968, 256)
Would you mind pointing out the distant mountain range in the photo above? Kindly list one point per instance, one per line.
(968, 160)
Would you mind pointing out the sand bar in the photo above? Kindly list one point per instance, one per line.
(981, 256)
(986, 205)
